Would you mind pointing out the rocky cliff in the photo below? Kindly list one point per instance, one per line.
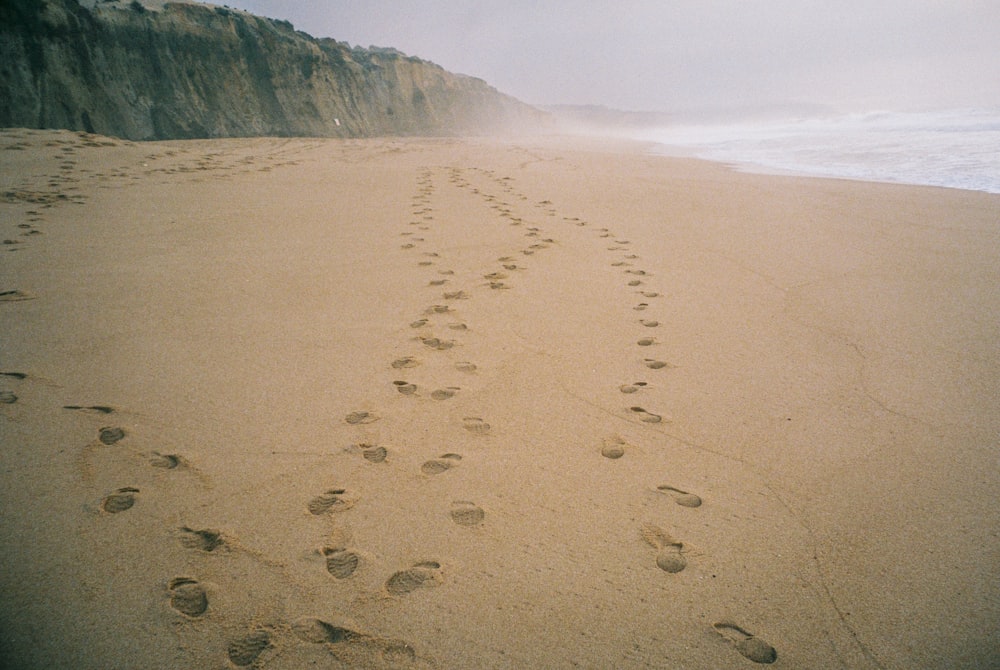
(189, 70)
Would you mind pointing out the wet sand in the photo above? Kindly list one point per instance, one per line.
(547, 403)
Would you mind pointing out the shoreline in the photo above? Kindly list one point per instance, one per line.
(451, 403)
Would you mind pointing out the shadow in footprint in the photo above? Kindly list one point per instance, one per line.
(100, 409)
(475, 425)
(669, 559)
(373, 454)
(438, 344)
(166, 461)
(202, 540)
(682, 498)
(360, 418)
(445, 393)
(341, 562)
(342, 639)
(747, 644)
(644, 416)
(333, 500)
(466, 513)
(245, 651)
(406, 388)
(613, 448)
(109, 435)
(425, 573)
(441, 464)
(119, 501)
(188, 596)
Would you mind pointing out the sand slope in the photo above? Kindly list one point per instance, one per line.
(489, 404)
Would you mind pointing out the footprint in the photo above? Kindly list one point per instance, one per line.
(100, 409)
(317, 631)
(456, 295)
(635, 282)
(670, 558)
(465, 366)
(120, 500)
(441, 464)
(14, 296)
(405, 388)
(246, 650)
(650, 294)
(202, 540)
(457, 326)
(438, 309)
(444, 394)
(631, 388)
(648, 323)
(466, 513)
(438, 344)
(475, 425)
(166, 461)
(647, 417)
(8, 397)
(374, 454)
(655, 364)
(682, 498)
(333, 500)
(746, 643)
(613, 448)
(646, 342)
(419, 323)
(188, 596)
(360, 417)
(425, 573)
(109, 435)
(15, 375)
(405, 362)
(340, 562)
(641, 306)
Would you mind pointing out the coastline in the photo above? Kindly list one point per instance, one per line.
(592, 334)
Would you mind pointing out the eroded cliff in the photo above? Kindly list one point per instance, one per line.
(187, 70)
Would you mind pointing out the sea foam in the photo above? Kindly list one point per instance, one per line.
(950, 148)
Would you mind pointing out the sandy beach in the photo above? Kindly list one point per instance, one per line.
(490, 403)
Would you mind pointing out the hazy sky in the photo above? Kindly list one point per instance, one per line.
(681, 54)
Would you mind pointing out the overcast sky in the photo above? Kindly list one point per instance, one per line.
(687, 54)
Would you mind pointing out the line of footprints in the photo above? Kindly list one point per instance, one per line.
(188, 596)
(499, 195)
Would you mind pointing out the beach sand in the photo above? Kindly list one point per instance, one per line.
(547, 403)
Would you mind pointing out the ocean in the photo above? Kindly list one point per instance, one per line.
(951, 148)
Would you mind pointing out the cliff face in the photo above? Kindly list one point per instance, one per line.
(192, 71)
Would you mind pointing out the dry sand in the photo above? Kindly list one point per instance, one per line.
(454, 404)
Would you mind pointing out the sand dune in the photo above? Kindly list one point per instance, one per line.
(489, 404)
